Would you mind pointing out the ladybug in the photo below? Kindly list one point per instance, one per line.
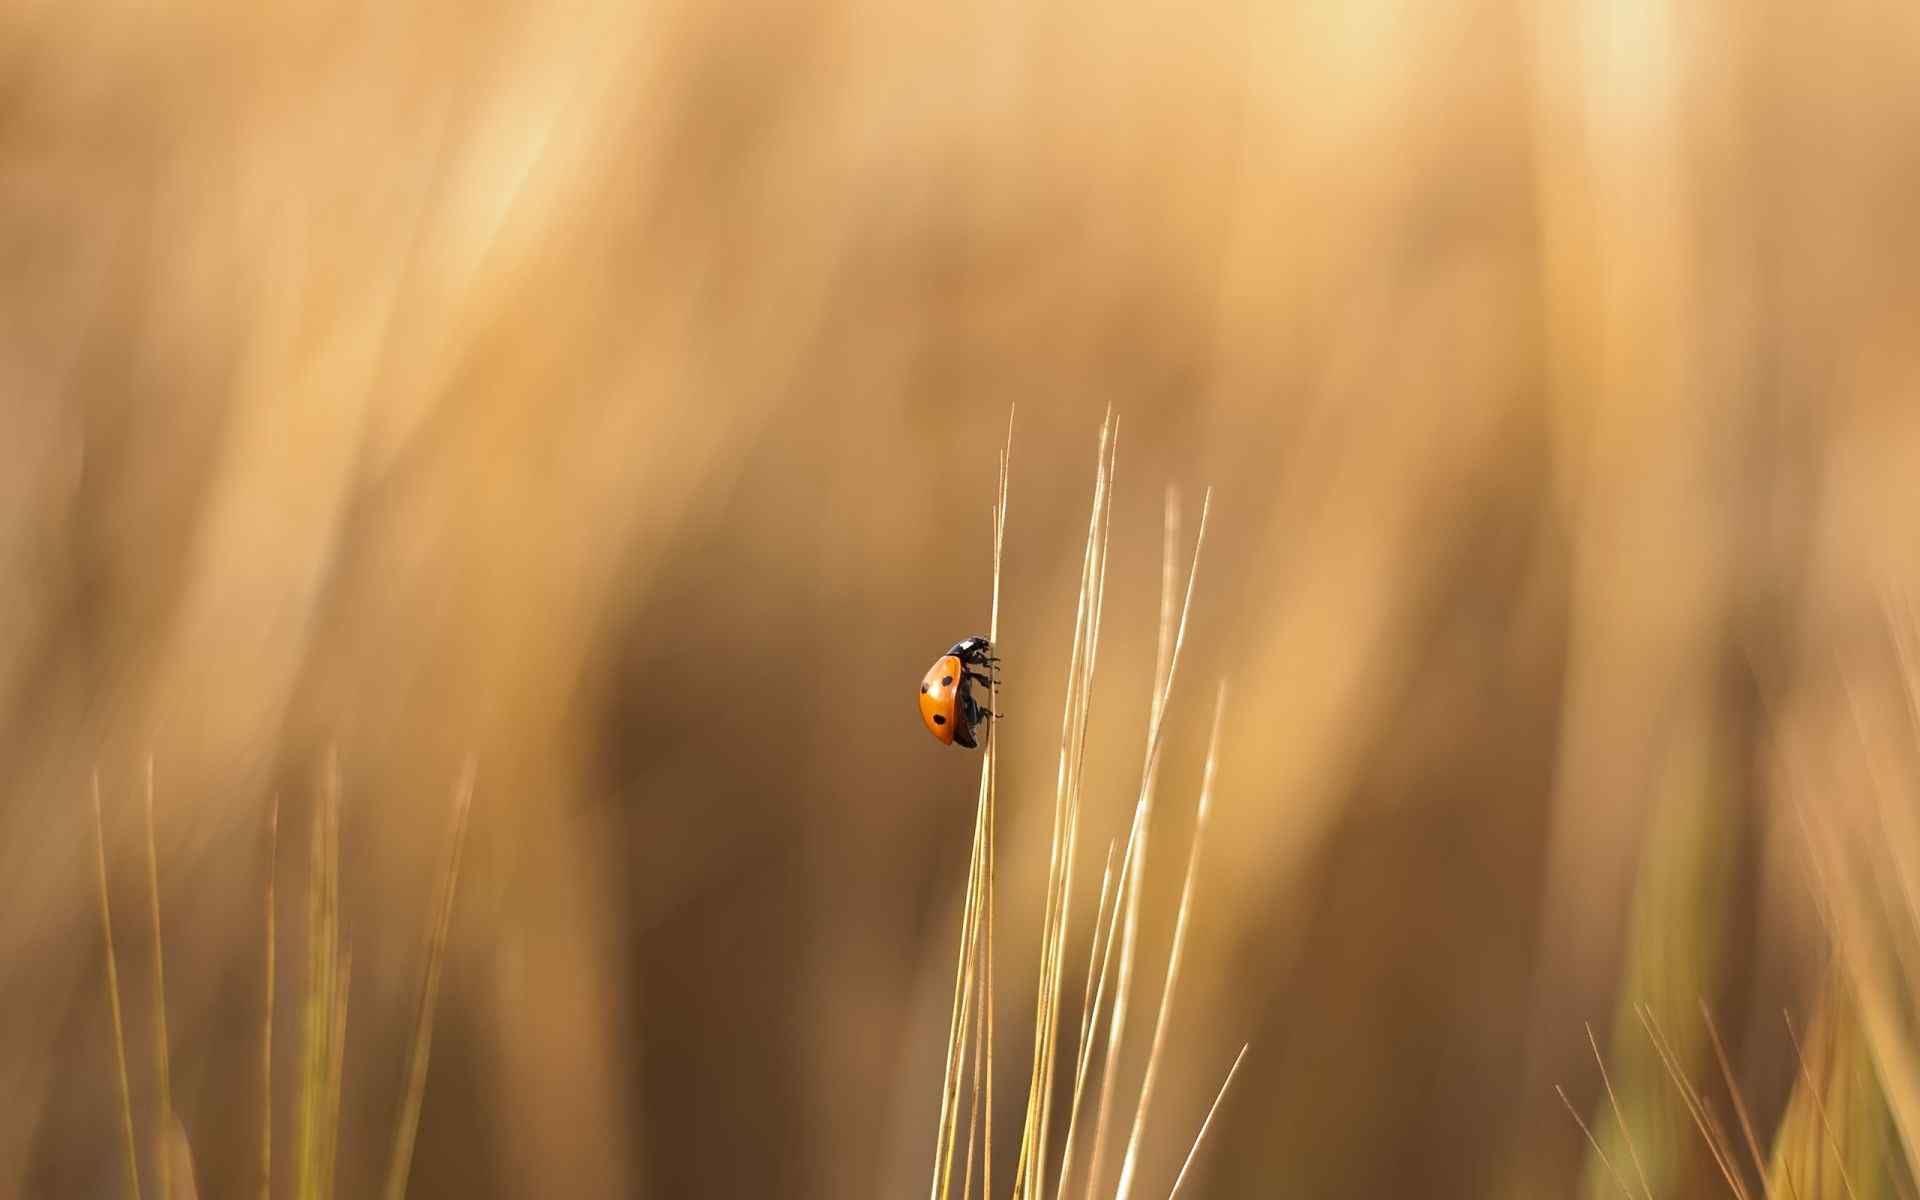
(947, 703)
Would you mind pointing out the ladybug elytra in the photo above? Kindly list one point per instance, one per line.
(947, 703)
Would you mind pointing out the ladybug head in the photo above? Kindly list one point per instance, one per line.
(973, 650)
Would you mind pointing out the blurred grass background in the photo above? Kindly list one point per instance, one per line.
(612, 391)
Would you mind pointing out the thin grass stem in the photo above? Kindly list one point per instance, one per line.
(1088, 1019)
(1030, 1179)
(1819, 1104)
(113, 995)
(1180, 1180)
(1134, 868)
(420, 1049)
(993, 793)
(1739, 1104)
(1175, 956)
(160, 1053)
(1696, 1107)
(1594, 1142)
(336, 1067)
(266, 1025)
(974, 967)
(1619, 1117)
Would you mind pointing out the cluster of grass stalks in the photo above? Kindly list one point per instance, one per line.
(1837, 1134)
(1850, 1125)
(1107, 988)
(323, 1014)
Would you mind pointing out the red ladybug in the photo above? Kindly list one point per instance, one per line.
(947, 703)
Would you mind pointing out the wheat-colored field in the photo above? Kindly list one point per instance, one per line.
(610, 396)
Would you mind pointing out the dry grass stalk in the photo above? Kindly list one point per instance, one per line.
(421, 1047)
(977, 999)
(1703, 1119)
(113, 995)
(975, 963)
(1130, 1164)
(1116, 919)
(1860, 943)
(325, 1000)
(988, 814)
(1619, 1118)
(973, 1108)
(266, 1025)
(964, 978)
(1133, 863)
(970, 1009)
(966, 975)
(1090, 1019)
(1739, 1103)
(161, 1064)
(1180, 1180)
(1814, 1091)
(336, 1061)
(988, 818)
(329, 982)
(1066, 816)
(1593, 1142)
(1089, 1013)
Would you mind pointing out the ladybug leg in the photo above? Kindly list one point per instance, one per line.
(969, 718)
(974, 710)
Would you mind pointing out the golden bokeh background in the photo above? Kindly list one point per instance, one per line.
(612, 392)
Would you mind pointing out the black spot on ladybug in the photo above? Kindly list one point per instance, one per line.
(938, 719)
(946, 681)
(923, 687)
